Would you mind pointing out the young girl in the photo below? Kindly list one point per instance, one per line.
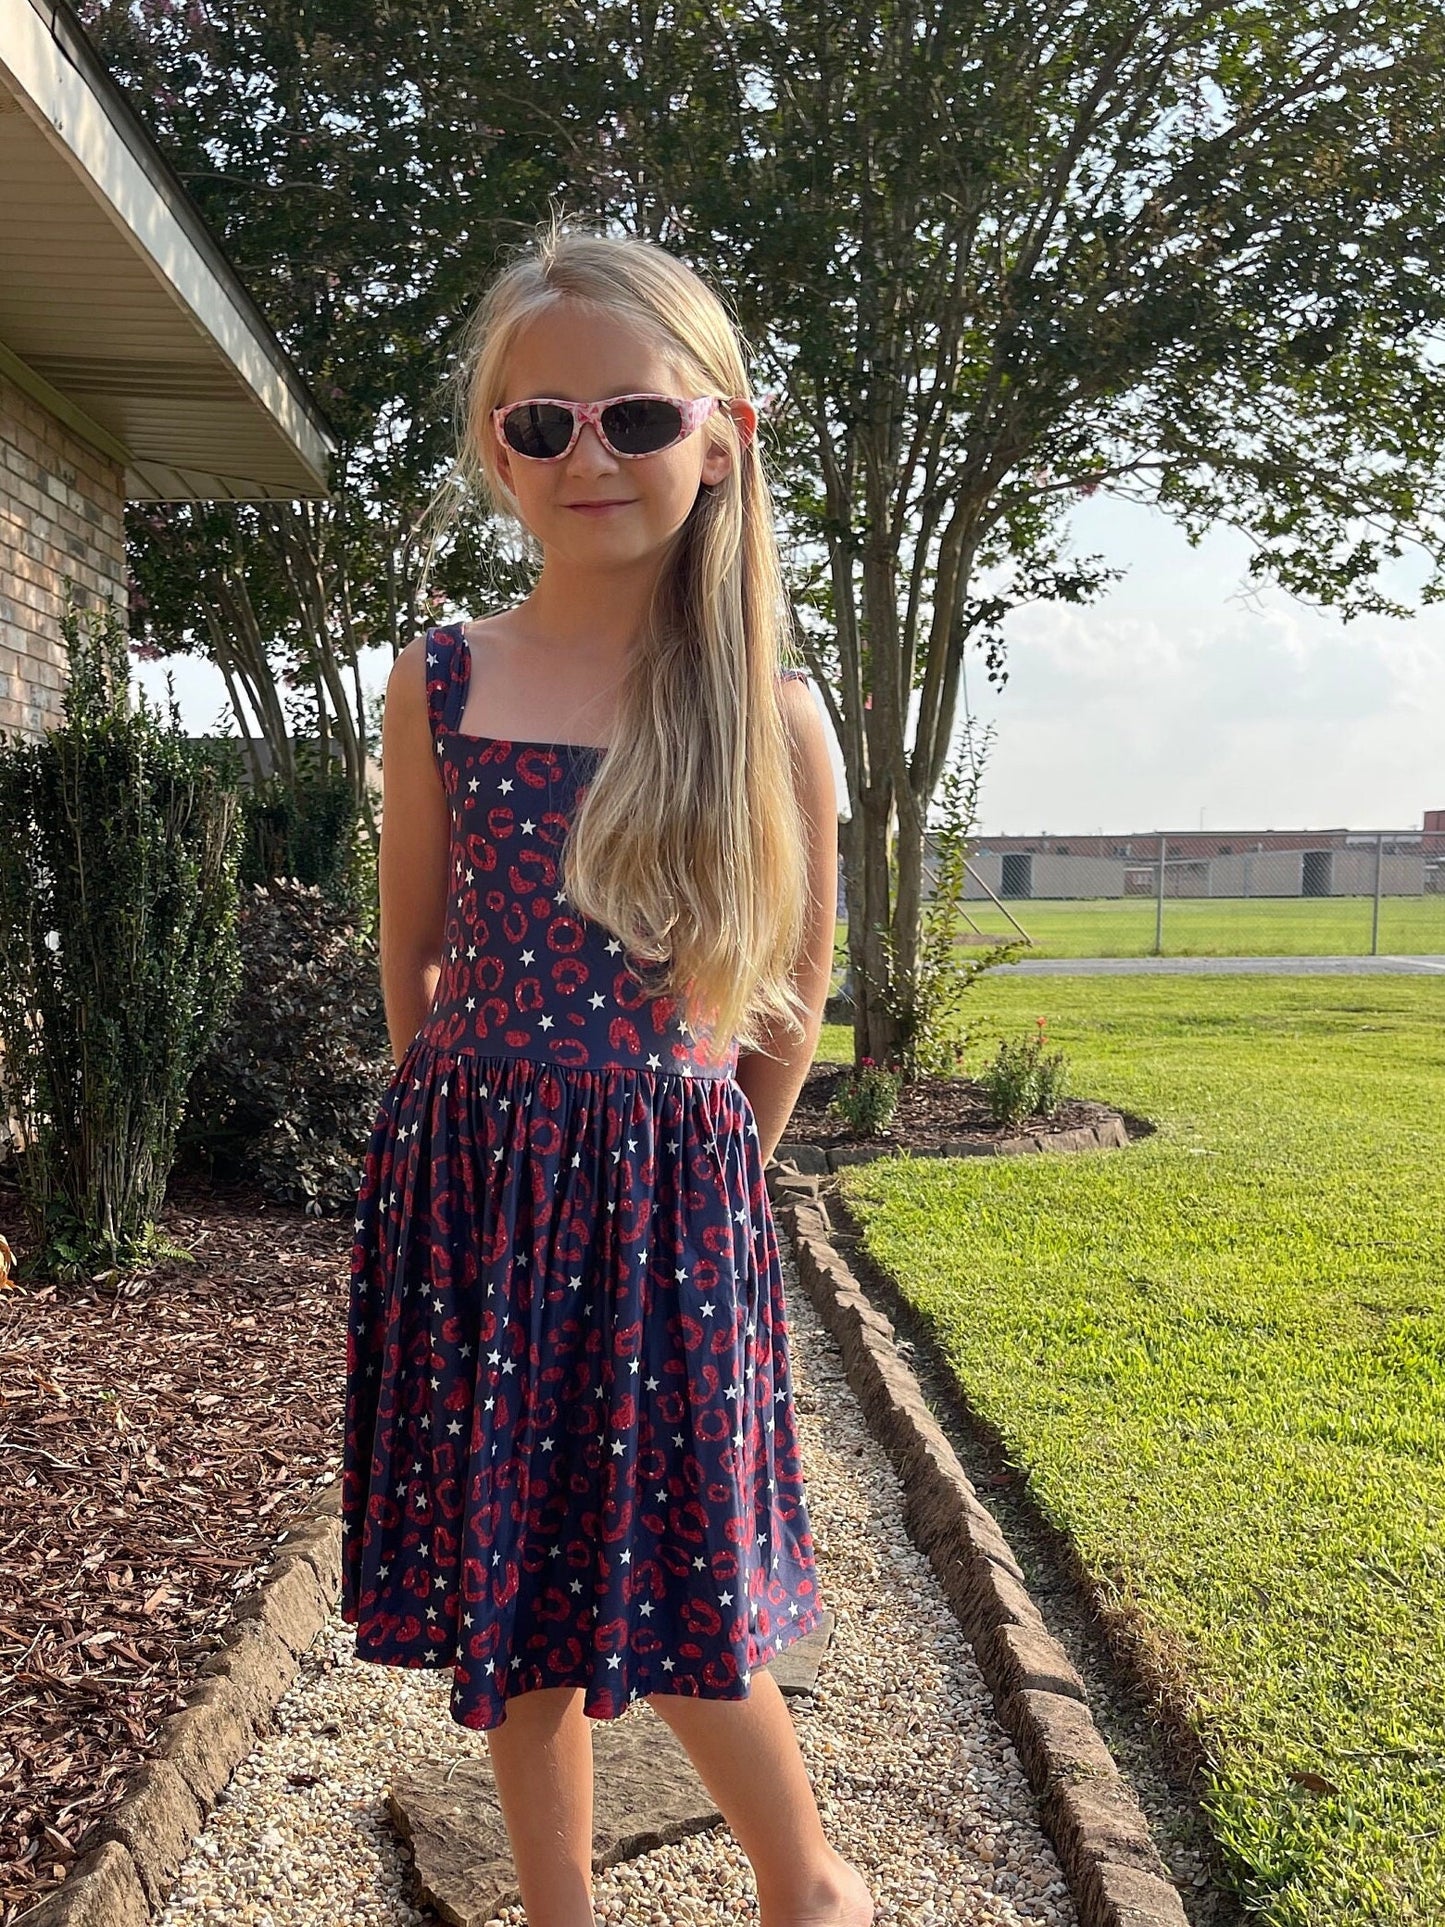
(608, 875)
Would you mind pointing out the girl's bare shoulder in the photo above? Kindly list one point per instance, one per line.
(406, 680)
(405, 715)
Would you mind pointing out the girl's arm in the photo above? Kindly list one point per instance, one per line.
(412, 859)
(772, 1079)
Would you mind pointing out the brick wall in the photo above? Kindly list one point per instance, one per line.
(61, 513)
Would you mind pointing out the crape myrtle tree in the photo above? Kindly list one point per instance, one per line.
(361, 166)
(996, 256)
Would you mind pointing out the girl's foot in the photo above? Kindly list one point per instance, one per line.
(841, 1899)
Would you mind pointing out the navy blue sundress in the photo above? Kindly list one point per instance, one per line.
(570, 1455)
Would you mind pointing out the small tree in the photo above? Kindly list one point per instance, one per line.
(117, 952)
(924, 1003)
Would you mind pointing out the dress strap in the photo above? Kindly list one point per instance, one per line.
(446, 667)
(786, 675)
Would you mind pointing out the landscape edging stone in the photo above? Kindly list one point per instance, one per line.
(129, 1860)
(1099, 1833)
(1108, 1134)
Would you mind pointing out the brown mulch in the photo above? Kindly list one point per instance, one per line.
(154, 1441)
(930, 1112)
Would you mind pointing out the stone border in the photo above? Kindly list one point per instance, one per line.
(1115, 1873)
(130, 1859)
(1107, 1135)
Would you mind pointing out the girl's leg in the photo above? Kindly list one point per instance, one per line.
(542, 1763)
(747, 1756)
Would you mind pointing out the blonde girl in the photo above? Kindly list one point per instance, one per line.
(608, 876)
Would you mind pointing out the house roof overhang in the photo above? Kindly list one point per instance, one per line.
(118, 309)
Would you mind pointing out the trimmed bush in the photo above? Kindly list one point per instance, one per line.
(118, 957)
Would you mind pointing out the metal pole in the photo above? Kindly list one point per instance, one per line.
(1159, 906)
(1379, 864)
(970, 871)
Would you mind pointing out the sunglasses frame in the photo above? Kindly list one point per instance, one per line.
(694, 413)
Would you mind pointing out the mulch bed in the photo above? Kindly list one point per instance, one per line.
(155, 1440)
(930, 1112)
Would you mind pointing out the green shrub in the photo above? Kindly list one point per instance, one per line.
(307, 832)
(1022, 1081)
(118, 889)
(287, 1095)
(866, 1098)
(926, 1003)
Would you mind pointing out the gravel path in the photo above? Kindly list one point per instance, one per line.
(916, 1780)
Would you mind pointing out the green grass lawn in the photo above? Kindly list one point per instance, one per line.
(1217, 926)
(1221, 1354)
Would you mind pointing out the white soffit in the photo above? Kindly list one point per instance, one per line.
(118, 308)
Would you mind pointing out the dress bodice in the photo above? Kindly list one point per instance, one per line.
(523, 974)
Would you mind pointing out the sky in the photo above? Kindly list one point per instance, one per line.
(1190, 697)
(1186, 698)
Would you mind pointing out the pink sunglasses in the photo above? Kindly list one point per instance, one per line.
(544, 430)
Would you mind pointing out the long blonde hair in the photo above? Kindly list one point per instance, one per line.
(689, 845)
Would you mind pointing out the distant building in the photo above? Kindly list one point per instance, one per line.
(1210, 863)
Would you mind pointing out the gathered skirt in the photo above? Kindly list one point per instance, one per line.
(570, 1453)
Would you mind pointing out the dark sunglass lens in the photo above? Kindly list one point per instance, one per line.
(641, 427)
(538, 430)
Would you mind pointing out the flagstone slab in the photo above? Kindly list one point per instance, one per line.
(646, 1794)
